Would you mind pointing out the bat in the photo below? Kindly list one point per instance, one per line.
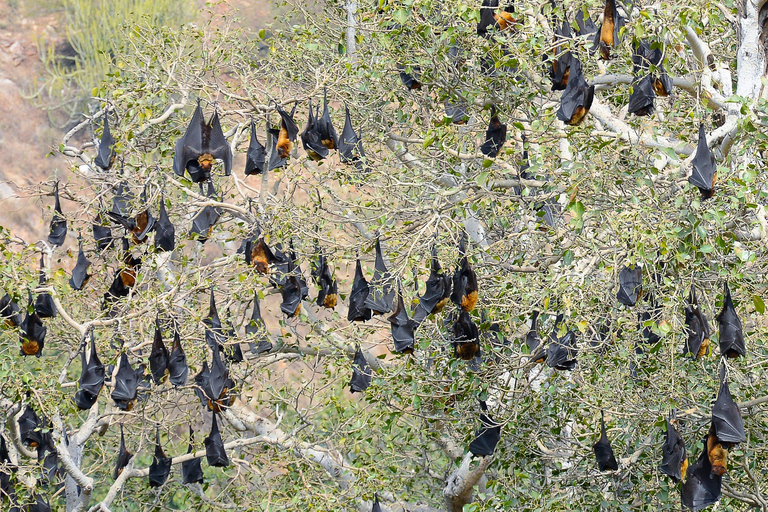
(577, 96)
(219, 385)
(80, 275)
(717, 453)
(214, 447)
(488, 436)
(256, 156)
(191, 470)
(257, 327)
(58, 227)
(288, 132)
(630, 285)
(561, 353)
(202, 224)
(177, 361)
(232, 351)
(201, 144)
(30, 429)
(328, 135)
(126, 384)
(608, 35)
(437, 293)
(202, 384)
(702, 488)
(121, 201)
(674, 459)
(641, 99)
(44, 305)
(40, 505)
(697, 328)
(456, 111)
(165, 232)
(258, 253)
(327, 294)
(48, 458)
(586, 26)
(106, 152)
(161, 465)
(489, 18)
(410, 80)
(731, 332)
(561, 65)
(130, 267)
(376, 507)
(32, 333)
(282, 266)
(603, 451)
(495, 136)
(102, 234)
(141, 225)
(361, 373)
(291, 293)
(214, 332)
(380, 294)
(91, 378)
(727, 422)
(358, 311)
(465, 292)
(311, 138)
(402, 328)
(158, 358)
(123, 456)
(642, 58)
(8, 469)
(533, 340)
(466, 338)
(10, 312)
(704, 174)
(350, 144)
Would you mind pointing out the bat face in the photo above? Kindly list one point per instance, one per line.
(731, 331)
(361, 373)
(123, 456)
(165, 232)
(58, 228)
(603, 451)
(32, 335)
(488, 436)
(158, 358)
(630, 285)
(466, 338)
(350, 144)
(106, 155)
(674, 459)
(704, 168)
(358, 312)
(642, 97)
(214, 447)
(126, 384)
(91, 379)
(201, 144)
(727, 423)
(577, 96)
(402, 328)
(381, 294)
(191, 470)
(702, 488)
(161, 465)
(495, 136)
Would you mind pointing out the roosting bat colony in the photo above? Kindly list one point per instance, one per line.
(203, 151)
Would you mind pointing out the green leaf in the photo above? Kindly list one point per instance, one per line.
(759, 304)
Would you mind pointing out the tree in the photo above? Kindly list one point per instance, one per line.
(551, 237)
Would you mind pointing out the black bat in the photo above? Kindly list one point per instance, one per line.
(311, 138)
(489, 18)
(727, 422)
(30, 428)
(533, 341)
(495, 136)
(674, 459)
(402, 328)
(202, 384)
(630, 285)
(9, 469)
(643, 57)
(48, 458)
(608, 35)
(32, 333)
(214, 332)
(177, 361)
(10, 312)
(282, 266)
(256, 156)
(488, 436)
(126, 384)
(80, 275)
(560, 70)
(456, 110)
(561, 352)
(102, 234)
(202, 224)
(257, 328)
(603, 451)
(328, 289)
(232, 351)
(258, 254)
(191, 470)
(437, 293)
(122, 200)
(358, 312)
(201, 144)
(704, 174)
(158, 358)
(328, 135)
(165, 232)
(361, 373)
(106, 155)
(381, 294)
(410, 80)
(702, 488)
(44, 305)
(642, 97)
(465, 291)
(214, 447)
(731, 331)
(376, 507)
(697, 328)
(466, 338)
(123, 456)
(577, 96)
(350, 144)
(219, 384)
(40, 504)
(91, 378)
(139, 227)
(161, 465)
(292, 295)
(586, 26)
(58, 228)
(286, 136)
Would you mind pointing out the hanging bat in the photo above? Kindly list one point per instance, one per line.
(161, 465)
(533, 340)
(704, 174)
(122, 200)
(586, 26)
(702, 488)
(561, 64)
(465, 291)
(106, 152)
(603, 451)
(58, 228)
(489, 18)
(630, 285)
(697, 328)
(32, 333)
(642, 58)
(291, 293)
(165, 232)
(674, 459)
(488, 436)
(232, 351)
(402, 328)
(456, 111)
(30, 429)
(731, 331)
(350, 144)
(311, 138)
(410, 80)
(139, 226)
(102, 234)
(191, 470)
(214, 447)
(466, 338)
(219, 385)
(257, 327)
(380, 294)
(358, 311)
(437, 293)
(123, 456)
(256, 156)
(561, 354)
(608, 35)
(126, 384)
(288, 132)
(361, 373)
(577, 96)
(10, 312)
(328, 135)
(642, 97)
(717, 452)
(727, 423)
(327, 293)
(158, 358)
(495, 136)
(214, 332)
(177, 361)
(44, 305)
(201, 144)
(91, 379)
(202, 224)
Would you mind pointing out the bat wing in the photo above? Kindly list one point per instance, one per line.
(58, 227)
(80, 273)
(311, 137)
(586, 26)
(642, 97)
(93, 372)
(350, 145)
(217, 144)
(165, 232)
(160, 467)
(29, 427)
(126, 381)
(603, 451)
(274, 161)
(203, 223)
(177, 362)
(726, 417)
(701, 489)
(704, 168)
(106, 147)
(102, 235)
(189, 146)
(731, 330)
(219, 378)
(191, 470)
(358, 296)
(361, 373)
(487, 20)
(290, 125)
(291, 294)
(495, 136)
(561, 355)
(44, 306)
(381, 295)
(402, 328)
(123, 456)
(487, 438)
(214, 447)
(456, 111)
(672, 454)
(630, 285)
(256, 155)
(10, 311)
(329, 137)
(158, 358)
